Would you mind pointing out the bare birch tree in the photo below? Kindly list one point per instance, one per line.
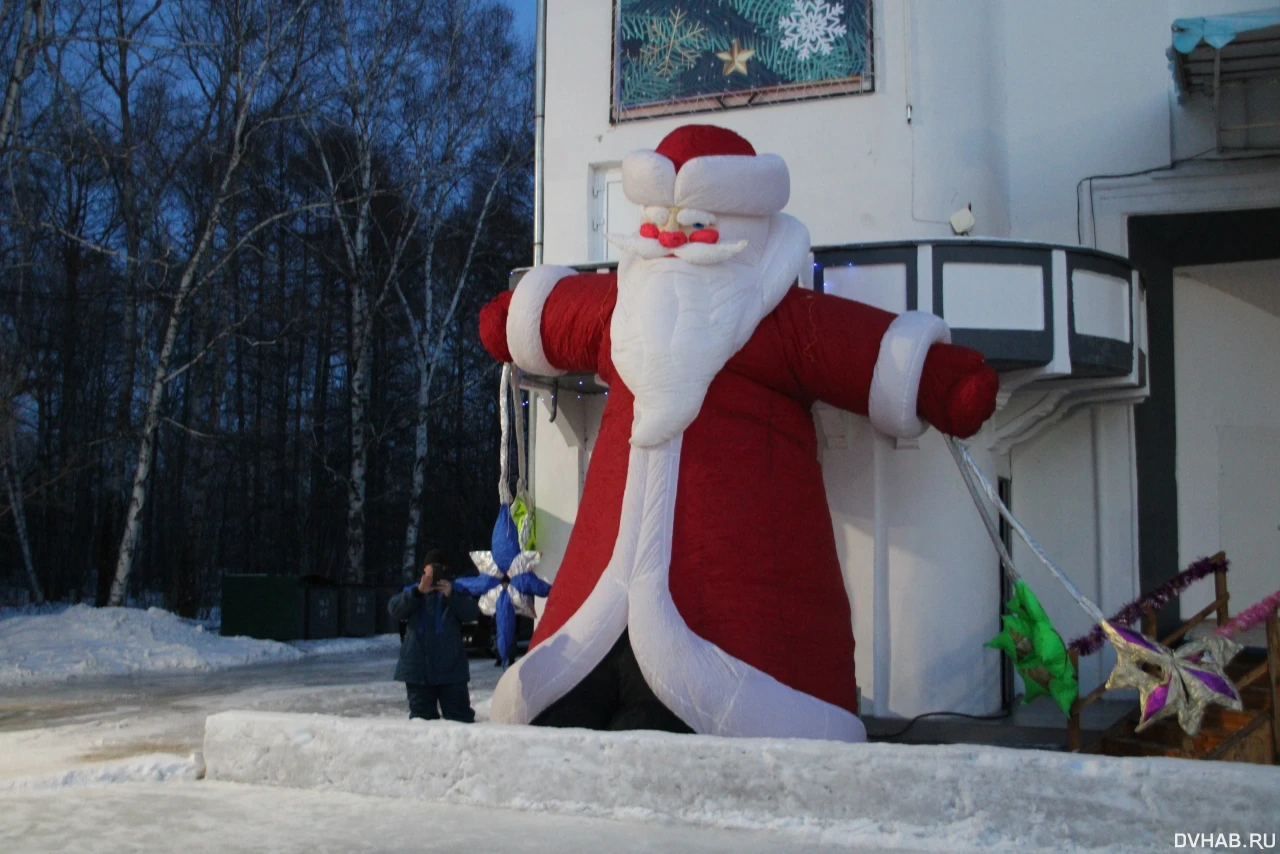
(30, 19)
(372, 80)
(431, 80)
(10, 472)
(427, 352)
(245, 60)
(187, 301)
(24, 27)
(123, 58)
(474, 114)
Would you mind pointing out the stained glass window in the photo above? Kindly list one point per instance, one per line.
(674, 56)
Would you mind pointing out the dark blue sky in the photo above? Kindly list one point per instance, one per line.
(526, 23)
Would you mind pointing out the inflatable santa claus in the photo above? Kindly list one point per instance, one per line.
(700, 589)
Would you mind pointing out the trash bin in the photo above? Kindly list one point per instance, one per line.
(322, 608)
(384, 623)
(356, 617)
(269, 607)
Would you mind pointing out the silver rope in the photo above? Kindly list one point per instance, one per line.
(518, 419)
(988, 521)
(504, 484)
(524, 532)
(969, 468)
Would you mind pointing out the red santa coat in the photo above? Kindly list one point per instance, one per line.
(725, 566)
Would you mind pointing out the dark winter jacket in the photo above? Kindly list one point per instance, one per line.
(432, 652)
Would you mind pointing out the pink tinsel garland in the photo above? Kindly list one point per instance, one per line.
(1251, 616)
(1159, 597)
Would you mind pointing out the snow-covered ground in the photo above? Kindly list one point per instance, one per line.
(945, 798)
(217, 818)
(104, 735)
(150, 725)
(62, 743)
(55, 644)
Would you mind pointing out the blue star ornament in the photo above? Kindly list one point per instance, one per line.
(519, 581)
(507, 583)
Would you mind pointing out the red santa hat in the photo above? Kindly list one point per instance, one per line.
(707, 168)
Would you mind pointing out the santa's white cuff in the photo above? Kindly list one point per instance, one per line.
(524, 319)
(895, 385)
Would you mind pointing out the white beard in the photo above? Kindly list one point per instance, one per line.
(677, 322)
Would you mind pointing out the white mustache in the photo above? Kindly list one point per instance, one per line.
(695, 253)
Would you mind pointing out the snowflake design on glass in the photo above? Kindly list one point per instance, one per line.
(812, 27)
(673, 44)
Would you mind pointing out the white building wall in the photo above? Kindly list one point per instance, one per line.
(559, 466)
(851, 158)
(1014, 105)
(1090, 93)
(1226, 388)
(1074, 489)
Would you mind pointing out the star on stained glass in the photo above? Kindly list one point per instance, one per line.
(735, 59)
(1187, 680)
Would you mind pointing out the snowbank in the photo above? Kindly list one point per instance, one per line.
(147, 768)
(43, 645)
(923, 798)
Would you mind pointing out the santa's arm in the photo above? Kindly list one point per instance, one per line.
(552, 323)
(897, 369)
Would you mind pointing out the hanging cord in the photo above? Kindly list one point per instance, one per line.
(969, 469)
(511, 415)
(524, 532)
(517, 409)
(504, 422)
(993, 529)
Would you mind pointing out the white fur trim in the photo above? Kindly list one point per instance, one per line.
(713, 692)
(548, 671)
(785, 254)
(895, 386)
(709, 689)
(524, 319)
(670, 395)
(648, 178)
(736, 184)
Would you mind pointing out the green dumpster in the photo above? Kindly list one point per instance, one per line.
(322, 608)
(269, 607)
(356, 616)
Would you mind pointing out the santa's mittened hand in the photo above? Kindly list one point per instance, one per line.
(957, 390)
(493, 326)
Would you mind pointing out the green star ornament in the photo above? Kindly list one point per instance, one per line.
(522, 516)
(1037, 650)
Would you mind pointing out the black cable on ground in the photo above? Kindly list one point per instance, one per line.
(918, 718)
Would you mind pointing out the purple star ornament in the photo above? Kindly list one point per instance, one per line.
(1185, 683)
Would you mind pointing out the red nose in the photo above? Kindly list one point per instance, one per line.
(672, 239)
(705, 235)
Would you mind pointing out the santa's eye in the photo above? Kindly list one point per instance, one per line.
(696, 218)
(655, 214)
